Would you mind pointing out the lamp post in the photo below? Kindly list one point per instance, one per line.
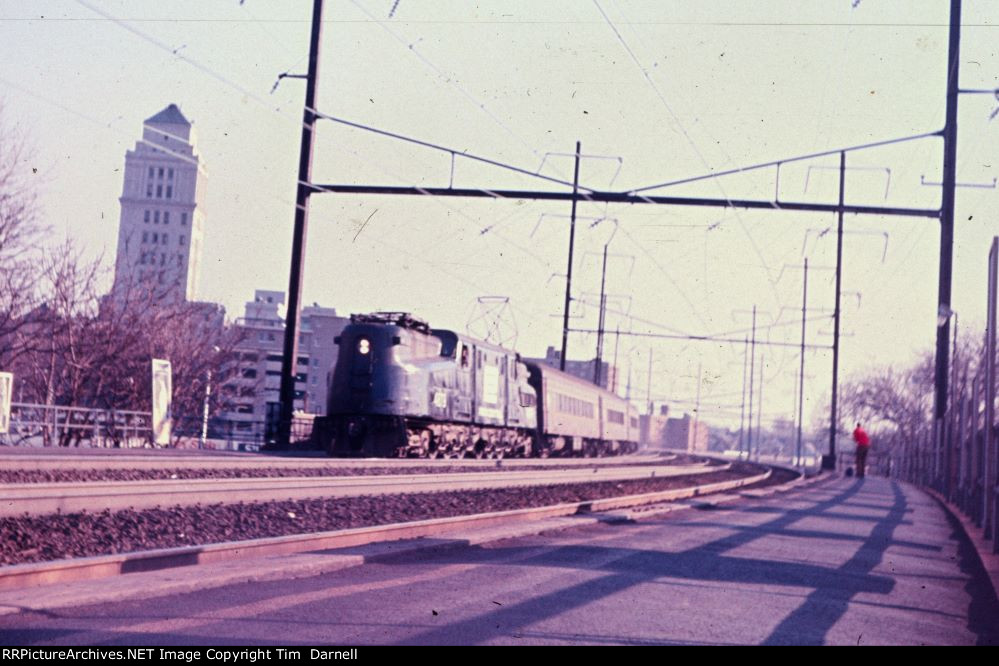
(208, 395)
(204, 417)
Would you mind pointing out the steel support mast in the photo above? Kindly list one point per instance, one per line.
(289, 364)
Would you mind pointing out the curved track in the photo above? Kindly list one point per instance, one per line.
(60, 459)
(43, 498)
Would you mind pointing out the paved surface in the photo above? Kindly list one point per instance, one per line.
(843, 562)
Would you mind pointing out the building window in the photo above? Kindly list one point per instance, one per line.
(156, 217)
(162, 263)
(170, 174)
(180, 260)
(149, 190)
(160, 174)
(166, 217)
(163, 239)
(142, 259)
(145, 238)
(150, 172)
(145, 216)
(159, 191)
(183, 219)
(156, 237)
(169, 192)
(182, 239)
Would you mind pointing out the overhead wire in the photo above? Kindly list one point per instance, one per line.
(690, 140)
(263, 102)
(410, 47)
(193, 161)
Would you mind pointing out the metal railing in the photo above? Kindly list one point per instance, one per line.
(34, 425)
(958, 455)
(55, 425)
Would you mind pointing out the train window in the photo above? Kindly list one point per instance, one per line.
(464, 356)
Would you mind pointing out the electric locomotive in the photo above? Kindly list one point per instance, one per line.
(401, 388)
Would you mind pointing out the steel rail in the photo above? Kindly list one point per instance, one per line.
(9, 460)
(94, 496)
(21, 576)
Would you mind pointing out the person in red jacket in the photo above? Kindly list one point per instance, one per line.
(863, 446)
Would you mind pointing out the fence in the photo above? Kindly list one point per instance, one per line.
(34, 425)
(958, 455)
(52, 425)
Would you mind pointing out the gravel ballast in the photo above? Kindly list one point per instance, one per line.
(84, 475)
(60, 536)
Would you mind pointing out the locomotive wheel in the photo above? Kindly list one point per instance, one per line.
(480, 449)
(428, 444)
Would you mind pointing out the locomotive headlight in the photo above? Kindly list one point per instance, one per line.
(363, 346)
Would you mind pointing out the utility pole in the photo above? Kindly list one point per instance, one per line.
(742, 410)
(568, 273)
(829, 461)
(801, 371)
(949, 182)
(289, 365)
(948, 453)
(759, 413)
(617, 343)
(648, 386)
(752, 362)
(600, 326)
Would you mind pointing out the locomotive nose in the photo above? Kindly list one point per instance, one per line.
(356, 430)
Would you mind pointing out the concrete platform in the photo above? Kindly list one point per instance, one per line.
(840, 562)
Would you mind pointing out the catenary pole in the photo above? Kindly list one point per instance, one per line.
(289, 364)
(568, 273)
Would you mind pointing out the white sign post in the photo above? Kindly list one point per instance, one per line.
(162, 399)
(6, 390)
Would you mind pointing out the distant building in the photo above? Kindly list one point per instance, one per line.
(686, 434)
(652, 429)
(161, 227)
(254, 384)
(581, 369)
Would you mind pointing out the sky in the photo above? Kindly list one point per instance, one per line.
(654, 91)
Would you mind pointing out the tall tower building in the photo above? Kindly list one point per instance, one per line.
(161, 227)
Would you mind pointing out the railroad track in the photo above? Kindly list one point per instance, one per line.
(154, 459)
(96, 496)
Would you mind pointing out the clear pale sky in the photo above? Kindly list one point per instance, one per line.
(674, 89)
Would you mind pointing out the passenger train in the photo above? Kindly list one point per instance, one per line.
(403, 389)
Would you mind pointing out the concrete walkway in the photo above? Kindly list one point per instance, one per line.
(844, 562)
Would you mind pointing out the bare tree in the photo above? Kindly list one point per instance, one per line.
(897, 402)
(70, 346)
(21, 232)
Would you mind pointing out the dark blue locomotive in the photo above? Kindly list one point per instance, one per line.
(400, 388)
